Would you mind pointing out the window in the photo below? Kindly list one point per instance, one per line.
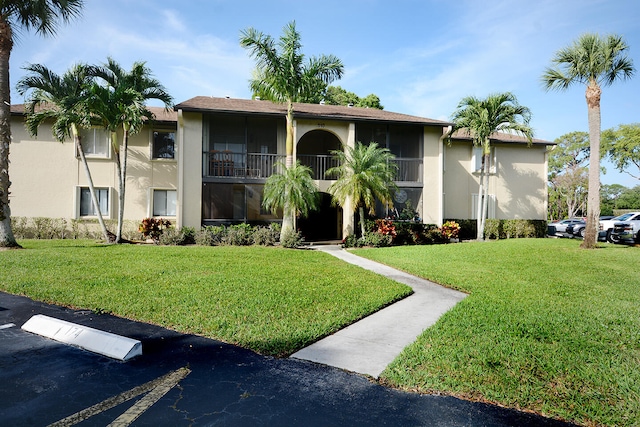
(491, 206)
(476, 160)
(164, 202)
(86, 204)
(95, 142)
(163, 144)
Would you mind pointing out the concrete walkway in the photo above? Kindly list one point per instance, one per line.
(369, 345)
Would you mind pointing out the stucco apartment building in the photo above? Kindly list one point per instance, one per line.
(206, 163)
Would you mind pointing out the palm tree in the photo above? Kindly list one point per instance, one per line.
(365, 173)
(594, 61)
(283, 76)
(62, 99)
(480, 118)
(43, 16)
(121, 104)
(293, 190)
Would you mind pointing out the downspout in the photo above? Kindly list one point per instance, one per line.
(445, 132)
(180, 158)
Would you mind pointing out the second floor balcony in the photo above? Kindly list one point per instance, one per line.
(228, 164)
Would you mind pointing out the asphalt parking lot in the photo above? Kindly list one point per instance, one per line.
(184, 380)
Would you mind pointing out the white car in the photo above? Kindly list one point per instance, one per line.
(606, 227)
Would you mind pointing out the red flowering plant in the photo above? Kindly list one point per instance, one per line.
(450, 230)
(386, 227)
(152, 228)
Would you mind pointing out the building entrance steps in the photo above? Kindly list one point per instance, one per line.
(369, 345)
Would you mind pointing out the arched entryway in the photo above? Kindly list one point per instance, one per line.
(314, 150)
(323, 224)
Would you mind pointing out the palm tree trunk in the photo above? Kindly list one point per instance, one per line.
(287, 214)
(479, 229)
(485, 196)
(116, 152)
(592, 95)
(361, 212)
(123, 182)
(7, 239)
(92, 190)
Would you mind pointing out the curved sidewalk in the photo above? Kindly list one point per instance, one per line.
(369, 345)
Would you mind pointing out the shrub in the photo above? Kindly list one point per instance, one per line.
(265, 236)
(210, 235)
(450, 230)
(291, 239)
(239, 235)
(152, 228)
(377, 240)
(174, 237)
(351, 241)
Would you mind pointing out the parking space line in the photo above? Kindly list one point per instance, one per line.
(156, 389)
(8, 325)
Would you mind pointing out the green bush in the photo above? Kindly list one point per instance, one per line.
(174, 237)
(239, 235)
(377, 240)
(514, 228)
(210, 235)
(352, 241)
(265, 236)
(292, 239)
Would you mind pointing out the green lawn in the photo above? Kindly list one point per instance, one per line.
(271, 300)
(547, 327)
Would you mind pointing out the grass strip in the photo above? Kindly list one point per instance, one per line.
(272, 300)
(548, 327)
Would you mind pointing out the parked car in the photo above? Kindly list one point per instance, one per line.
(627, 231)
(560, 226)
(576, 229)
(606, 226)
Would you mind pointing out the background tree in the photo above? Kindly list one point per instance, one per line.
(480, 118)
(365, 173)
(291, 189)
(43, 16)
(568, 175)
(120, 102)
(63, 100)
(623, 148)
(609, 195)
(336, 95)
(282, 75)
(594, 61)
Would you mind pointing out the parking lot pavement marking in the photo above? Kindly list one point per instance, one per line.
(152, 397)
(155, 389)
(7, 326)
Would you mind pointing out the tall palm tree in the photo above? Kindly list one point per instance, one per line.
(293, 190)
(480, 118)
(121, 104)
(62, 99)
(282, 75)
(43, 16)
(365, 173)
(594, 61)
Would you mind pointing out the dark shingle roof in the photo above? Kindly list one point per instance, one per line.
(328, 112)
(162, 115)
(502, 137)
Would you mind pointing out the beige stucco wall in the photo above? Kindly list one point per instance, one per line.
(46, 174)
(432, 176)
(519, 182)
(189, 140)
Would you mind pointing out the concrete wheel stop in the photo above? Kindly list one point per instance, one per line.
(90, 339)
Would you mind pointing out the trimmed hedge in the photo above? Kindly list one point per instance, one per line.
(503, 228)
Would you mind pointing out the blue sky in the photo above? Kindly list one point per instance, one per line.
(419, 56)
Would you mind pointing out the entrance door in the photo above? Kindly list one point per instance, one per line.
(323, 224)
